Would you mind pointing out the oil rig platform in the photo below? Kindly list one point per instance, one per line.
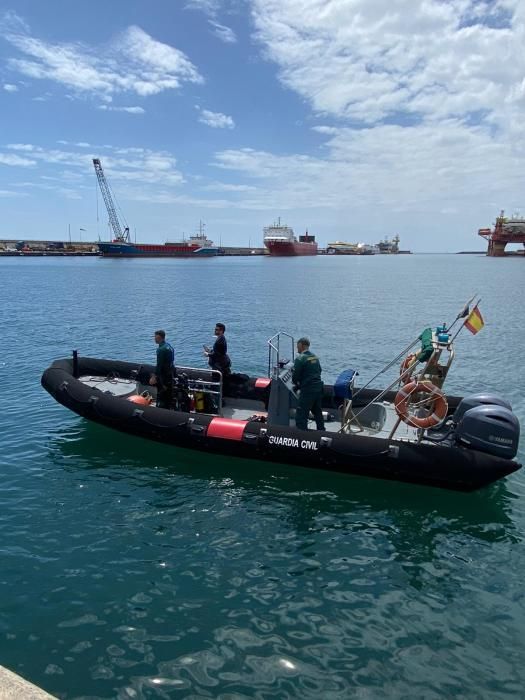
(506, 230)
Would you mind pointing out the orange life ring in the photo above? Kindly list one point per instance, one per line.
(439, 406)
(407, 362)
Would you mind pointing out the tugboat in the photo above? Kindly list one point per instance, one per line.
(281, 240)
(410, 431)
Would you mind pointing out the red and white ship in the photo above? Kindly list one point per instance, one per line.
(281, 240)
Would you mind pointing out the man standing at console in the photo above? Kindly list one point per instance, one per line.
(164, 371)
(306, 376)
(218, 357)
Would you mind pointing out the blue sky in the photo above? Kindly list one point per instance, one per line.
(354, 119)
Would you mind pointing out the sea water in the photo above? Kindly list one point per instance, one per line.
(135, 570)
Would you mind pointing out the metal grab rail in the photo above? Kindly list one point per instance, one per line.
(423, 375)
(276, 348)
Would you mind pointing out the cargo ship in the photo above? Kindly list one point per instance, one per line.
(281, 240)
(197, 246)
(121, 246)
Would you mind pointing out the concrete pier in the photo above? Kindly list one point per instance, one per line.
(13, 687)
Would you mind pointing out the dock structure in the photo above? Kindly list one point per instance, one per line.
(14, 687)
(506, 230)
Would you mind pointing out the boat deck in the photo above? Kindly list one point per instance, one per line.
(378, 420)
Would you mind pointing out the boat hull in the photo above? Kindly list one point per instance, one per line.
(450, 467)
(290, 248)
(143, 250)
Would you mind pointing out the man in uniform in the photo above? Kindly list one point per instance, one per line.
(306, 376)
(164, 371)
(218, 357)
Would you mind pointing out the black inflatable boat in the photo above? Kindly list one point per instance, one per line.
(414, 434)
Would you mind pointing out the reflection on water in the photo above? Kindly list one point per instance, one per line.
(345, 580)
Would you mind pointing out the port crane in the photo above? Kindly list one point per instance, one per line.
(121, 234)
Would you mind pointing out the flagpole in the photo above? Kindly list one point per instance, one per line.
(460, 315)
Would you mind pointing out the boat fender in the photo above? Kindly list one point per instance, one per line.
(262, 382)
(439, 404)
(143, 399)
(226, 428)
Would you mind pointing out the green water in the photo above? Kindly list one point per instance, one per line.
(134, 570)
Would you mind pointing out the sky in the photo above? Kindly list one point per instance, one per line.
(353, 119)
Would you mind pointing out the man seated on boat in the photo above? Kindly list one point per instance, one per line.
(164, 371)
(306, 376)
(218, 357)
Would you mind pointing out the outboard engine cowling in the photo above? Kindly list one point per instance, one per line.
(493, 429)
(478, 400)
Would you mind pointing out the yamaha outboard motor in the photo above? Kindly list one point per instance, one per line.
(478, 400)
(489, 428)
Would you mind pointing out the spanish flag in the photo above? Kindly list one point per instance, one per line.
(474, 322)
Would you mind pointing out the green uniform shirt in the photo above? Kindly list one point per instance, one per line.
(165, 357)
(307, 372)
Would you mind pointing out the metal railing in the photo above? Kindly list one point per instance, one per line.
(200, 383)
(274, 351)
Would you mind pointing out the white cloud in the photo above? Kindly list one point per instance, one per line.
(223, 33)
(209, 7)
(367, 60)
(21, 147)
(134, 62)
(217, 120)
(376, 174)
(126, 165)
(130, 110)
(9, 87)
(9, 193)
(11, 159)
(227, 187)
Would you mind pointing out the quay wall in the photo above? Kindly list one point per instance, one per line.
(14, 687)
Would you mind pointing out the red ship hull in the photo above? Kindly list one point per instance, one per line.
(291, 248)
